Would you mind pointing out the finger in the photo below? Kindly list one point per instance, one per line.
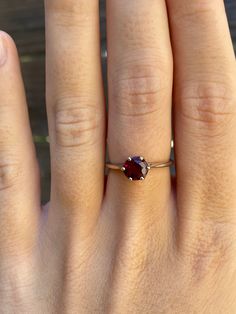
(140, 88)
(75, 108)
(19, 186)
(205, 111)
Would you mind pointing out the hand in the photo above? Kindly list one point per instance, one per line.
(140, 247)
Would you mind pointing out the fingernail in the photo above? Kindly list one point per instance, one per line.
(3, 50)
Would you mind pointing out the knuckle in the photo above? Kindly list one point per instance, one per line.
(9, 173)
(71, 6)
(133, 260)
(71, 13)
(195, 12)
(76, 122)
(18, 289)
(139, 91)
(209, 248)
(209, 105)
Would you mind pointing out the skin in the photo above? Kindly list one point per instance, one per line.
(158, 246)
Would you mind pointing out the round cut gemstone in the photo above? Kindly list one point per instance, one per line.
(136, 168)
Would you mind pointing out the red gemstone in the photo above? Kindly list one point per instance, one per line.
(136, 168)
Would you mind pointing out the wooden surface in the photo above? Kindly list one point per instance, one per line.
(24, 20)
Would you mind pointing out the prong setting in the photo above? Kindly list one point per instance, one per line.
(135, 168)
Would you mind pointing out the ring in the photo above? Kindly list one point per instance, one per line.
(136, 168)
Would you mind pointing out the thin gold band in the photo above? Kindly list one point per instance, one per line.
(150, 164)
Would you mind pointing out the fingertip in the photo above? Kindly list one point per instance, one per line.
(7, 47)
(7, 38)
(3, 49)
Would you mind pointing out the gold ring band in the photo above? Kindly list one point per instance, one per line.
(137, 168)
(150, 165)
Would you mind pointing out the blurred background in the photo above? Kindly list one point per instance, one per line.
(24, 21)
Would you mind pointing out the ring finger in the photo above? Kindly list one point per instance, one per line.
(140, 89)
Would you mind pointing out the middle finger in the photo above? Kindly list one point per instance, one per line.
(76, 108)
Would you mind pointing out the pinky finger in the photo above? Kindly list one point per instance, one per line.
(19, 187)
